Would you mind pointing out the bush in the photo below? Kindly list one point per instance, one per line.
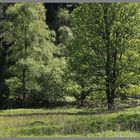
(128, 122)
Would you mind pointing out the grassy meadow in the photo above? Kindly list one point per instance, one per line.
(69, 122)
(69, 69)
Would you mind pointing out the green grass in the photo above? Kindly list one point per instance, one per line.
(68, 122)
(102, 134)
(42, 110)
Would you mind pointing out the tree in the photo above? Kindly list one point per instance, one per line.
(36, 72)
(105, 34)
(5, 45)
(57, 12)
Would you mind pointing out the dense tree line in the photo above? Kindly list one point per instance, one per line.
(52, 52)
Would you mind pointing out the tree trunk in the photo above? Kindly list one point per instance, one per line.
(83, 96)
(110, 62)
(24, 70)
(110, 92)
(111, 105)
(24, 84)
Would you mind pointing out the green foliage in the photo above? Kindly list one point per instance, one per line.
(92, 59)
(63, 17)
(5, 44)
(129, 122)
(93, 55)
(104, 50)
(36, 73)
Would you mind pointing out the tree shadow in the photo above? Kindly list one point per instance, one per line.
(48, 113)
(85, 112)
(56, 113)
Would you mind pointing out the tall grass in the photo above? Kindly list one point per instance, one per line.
(15, 123)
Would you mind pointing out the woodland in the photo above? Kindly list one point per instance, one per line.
(68, 59)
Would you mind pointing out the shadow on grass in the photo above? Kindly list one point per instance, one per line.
(49, 113)
(58, 113)
(84, 112)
